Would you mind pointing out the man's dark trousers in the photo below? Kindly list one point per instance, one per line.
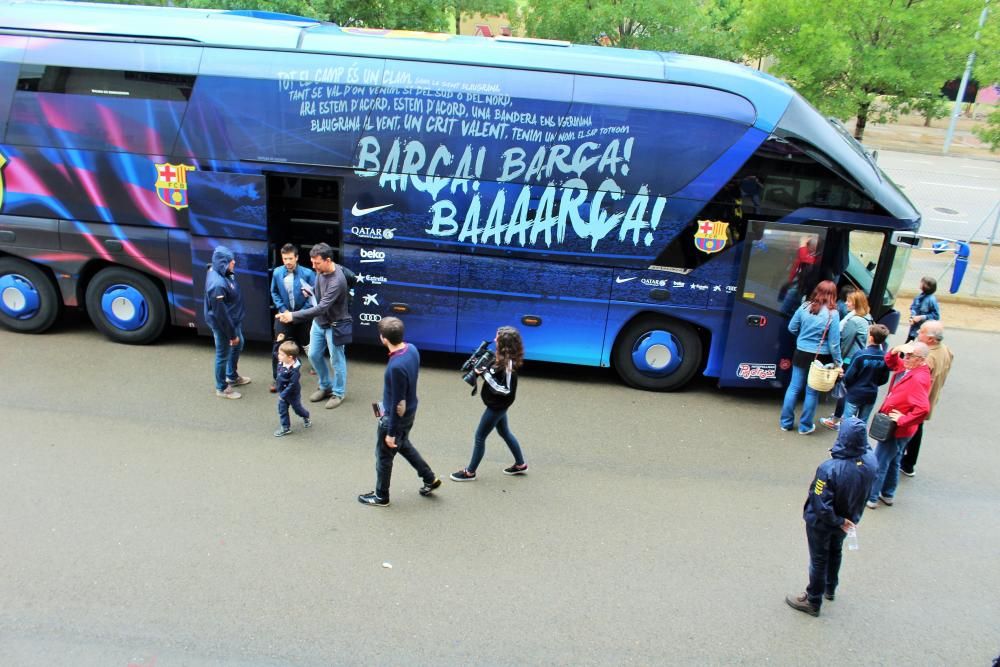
(384, 455)
(825, 553)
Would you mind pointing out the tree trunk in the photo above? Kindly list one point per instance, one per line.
(862, 121)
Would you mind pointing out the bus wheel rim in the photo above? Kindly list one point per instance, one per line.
(657, 353)
(124, 307)
(19, 297)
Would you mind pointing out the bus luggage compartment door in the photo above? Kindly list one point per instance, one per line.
(780, 262)
(231, 210)
(561, 310)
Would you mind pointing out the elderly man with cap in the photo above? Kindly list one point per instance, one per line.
(939, 360)
(907, 404)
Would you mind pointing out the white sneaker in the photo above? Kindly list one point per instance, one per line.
(228, 392)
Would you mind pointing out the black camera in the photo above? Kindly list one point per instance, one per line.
(479, 361)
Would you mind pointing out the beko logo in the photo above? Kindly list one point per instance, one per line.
(373, 233)
(369, 256)
(370, 317)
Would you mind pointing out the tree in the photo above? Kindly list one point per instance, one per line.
(702, 28)
(843, 54)
(987, 71)
(467, 8)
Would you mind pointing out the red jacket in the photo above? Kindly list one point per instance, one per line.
(908, 394)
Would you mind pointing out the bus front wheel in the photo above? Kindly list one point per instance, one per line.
(657, 353)
(126, 306)
(29, 302)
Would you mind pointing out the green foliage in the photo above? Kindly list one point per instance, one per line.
(990, 132)
(842, 54)
(708, 27)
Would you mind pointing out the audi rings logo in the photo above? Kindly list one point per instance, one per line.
(370, 317)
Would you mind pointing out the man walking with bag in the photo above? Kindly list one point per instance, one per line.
(396, 414)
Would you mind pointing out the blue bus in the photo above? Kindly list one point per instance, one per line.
(651, 212)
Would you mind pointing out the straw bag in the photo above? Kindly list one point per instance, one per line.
(821, 378)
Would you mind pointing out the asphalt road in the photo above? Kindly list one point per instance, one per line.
(955, 195)
(147, 523)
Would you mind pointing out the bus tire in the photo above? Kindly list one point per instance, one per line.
(657, 353)
(126, 306)
(29, 301)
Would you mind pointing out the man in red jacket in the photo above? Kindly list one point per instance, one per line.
(907, 404)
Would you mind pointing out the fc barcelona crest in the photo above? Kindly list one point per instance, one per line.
(171, 184)
(711, 236)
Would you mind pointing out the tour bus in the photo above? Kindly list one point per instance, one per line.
(651, 212)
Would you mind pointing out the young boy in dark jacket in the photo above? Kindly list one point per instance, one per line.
(289, 389)
(866, 374)
(833, 507)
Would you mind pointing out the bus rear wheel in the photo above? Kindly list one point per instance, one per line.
(29, 302)
(126, 306)
(657, 353)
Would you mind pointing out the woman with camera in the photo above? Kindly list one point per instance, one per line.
(499, 389)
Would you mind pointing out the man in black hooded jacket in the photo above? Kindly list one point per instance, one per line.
(833, 507)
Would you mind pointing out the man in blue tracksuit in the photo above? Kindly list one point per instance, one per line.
(224, 313)
(834, 506)
(291, 288)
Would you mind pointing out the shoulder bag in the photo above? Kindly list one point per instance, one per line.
(883, 428)
(821, 378)
(343, 331)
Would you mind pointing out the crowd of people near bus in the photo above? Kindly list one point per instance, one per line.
(860, 475)
(312, 314)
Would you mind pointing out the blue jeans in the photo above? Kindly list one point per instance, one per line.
(862, 412)
(295, 403)
(494, 419)
(227, 357)
(321, 340)
(795, 387)
(888, 455)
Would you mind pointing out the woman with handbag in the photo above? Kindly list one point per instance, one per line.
(906, 406)
(816, 326)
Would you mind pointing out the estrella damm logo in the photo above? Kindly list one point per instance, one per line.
(3, 162)
(711, 236)
(171, 184)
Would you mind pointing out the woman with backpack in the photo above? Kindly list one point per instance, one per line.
(853, 339)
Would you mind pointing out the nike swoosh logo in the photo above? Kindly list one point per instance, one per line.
(620, 280)
(358, 212)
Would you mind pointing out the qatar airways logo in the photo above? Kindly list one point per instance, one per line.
(373, 233)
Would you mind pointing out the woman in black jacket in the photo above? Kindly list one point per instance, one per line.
(499, 389)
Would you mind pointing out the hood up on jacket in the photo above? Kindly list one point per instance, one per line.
(221, 258)
(852, 439)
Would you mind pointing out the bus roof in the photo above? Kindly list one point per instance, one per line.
(265, 30)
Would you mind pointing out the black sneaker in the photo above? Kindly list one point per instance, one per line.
(373, 500)
(306, 423)
(282, 432)
(463, 475)
(516, 469)
(830, 595)
(427, 489)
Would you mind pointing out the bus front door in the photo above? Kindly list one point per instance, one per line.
(780, 263)
(231, 210)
